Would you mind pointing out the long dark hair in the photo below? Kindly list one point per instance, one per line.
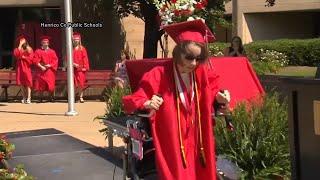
(181, 48)
(241, 49)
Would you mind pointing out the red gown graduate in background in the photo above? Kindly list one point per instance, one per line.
(182, 127)
(46, 61)
(80, 62)
(24, 59)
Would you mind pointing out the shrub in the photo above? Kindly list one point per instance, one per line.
(17, 173)
(113, 97)
(263, 60)
(6, 149)
(266, 61)
(216, 49)
(259, 145)
(300, 52)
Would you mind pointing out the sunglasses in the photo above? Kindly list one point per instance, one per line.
(192, 57)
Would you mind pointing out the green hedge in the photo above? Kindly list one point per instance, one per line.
(216, 49)
(299, 52)
(259, 145)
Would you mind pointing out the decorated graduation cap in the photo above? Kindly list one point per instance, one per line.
(76, 36)
(195, 30)
(45, 38)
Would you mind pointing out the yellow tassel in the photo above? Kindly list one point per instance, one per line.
(184, 159)
(202, 157)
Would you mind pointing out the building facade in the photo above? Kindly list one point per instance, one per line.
(104, 44)
(297, 19)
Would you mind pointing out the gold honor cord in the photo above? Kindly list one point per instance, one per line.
(202, 154)
(182, 148)
(183, 154)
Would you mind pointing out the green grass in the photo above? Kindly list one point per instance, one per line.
(302, 71)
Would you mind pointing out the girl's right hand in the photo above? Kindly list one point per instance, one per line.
(75, 65)
(22, 41)
(43, 68)
(154, 103)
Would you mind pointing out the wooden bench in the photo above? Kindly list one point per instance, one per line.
(95, 78)
(7, 79)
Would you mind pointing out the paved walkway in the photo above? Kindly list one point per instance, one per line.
(21, 117)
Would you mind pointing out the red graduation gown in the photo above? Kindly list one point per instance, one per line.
(23, 62)
(45, 80)
(160, 80)
(80, 57)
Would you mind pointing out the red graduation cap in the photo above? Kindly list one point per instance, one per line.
(195, 30)
(76, 36)
(45, 38)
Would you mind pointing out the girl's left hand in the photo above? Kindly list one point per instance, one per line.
(223, 98)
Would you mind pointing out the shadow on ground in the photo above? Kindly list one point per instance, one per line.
(53, 155)
(39, 114)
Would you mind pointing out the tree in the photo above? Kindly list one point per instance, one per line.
(146, 10)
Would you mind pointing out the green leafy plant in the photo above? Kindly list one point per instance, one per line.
(113, 97)
(259, 145)
(6, 150)
(18, 173)
(268, 61)
(216, 49)
(299, 52)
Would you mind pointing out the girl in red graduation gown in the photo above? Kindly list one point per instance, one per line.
(46, 61)
(182, 127)
(80, 64)
(24, 57)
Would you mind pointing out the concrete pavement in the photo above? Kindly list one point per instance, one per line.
(21, 117)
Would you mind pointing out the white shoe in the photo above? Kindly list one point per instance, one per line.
(23, 101)
(28, 101)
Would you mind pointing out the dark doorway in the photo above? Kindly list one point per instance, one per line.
(316, 18)
(8, 18)
(26, 20)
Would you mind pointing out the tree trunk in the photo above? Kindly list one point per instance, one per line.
(151, 32)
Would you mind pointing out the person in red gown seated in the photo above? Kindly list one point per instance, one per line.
(182, 92)
(24, 58)
(80, 64)
(46, 61)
